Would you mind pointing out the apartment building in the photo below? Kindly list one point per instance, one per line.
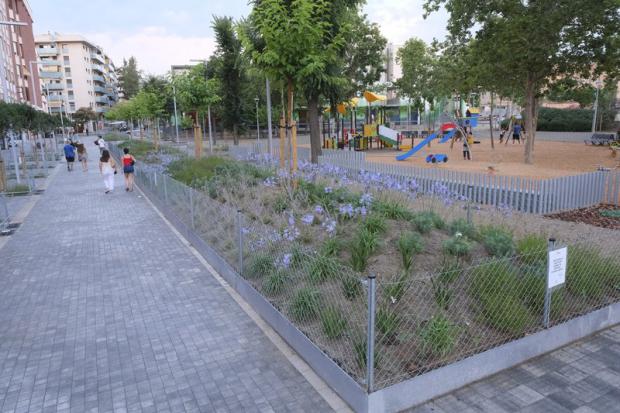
(75, 73)
(17, 46)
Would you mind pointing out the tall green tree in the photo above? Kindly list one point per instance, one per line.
(537, 42)
(231, 74)
(129, 78)
(82, 116)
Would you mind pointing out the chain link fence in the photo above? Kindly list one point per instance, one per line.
(392, 316)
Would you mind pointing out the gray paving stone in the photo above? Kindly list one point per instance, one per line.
(102, 308)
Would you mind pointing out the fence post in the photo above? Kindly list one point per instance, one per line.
(240, 239)
(469, 192)
(370, 340)
(191, 207)
(547, 308)
(4, 223)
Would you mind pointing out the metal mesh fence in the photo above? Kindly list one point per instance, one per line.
(446, 289)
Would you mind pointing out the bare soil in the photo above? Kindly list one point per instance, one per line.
(591, 216)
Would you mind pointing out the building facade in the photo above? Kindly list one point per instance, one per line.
(75, 73)
(17, 50)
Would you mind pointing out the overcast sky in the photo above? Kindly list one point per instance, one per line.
(160, 35)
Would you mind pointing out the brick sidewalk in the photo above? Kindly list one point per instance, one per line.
(102, 308)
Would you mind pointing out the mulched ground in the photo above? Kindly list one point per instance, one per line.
(591, 216)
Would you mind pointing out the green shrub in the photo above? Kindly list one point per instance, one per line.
(18, 189)
(465, 228)
(532, 288)
(195, 172)
(115, 137)
(351, 287)
(331, 247)
(274, 284)
(260, 265)
(409, 244)
(457, 246)
(450, 269)
(532, 249)
(388, 322)
(442, 293)
(363, 246)
(497, 241)
(299, 257)
(323, 268)
(438, 336)
(589, 275)
(360, 347)
(333, 321)
(306, 304)
(280, 204)
(391, 209)
(395, 290)
(375, 223)
(426, 221)
(564, 120)
(506, 313)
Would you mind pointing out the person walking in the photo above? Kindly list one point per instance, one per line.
(516, 133)
(128, 169)
(107, 167)
(102, 144)
(82, 156)
(466, 143)
(69, 155)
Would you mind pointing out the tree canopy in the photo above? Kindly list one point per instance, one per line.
(129, 78)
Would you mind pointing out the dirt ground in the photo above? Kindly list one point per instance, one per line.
(551, 159)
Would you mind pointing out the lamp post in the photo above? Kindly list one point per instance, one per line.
(257, 124)
(176, 118)
(598, 85)
(269, 131)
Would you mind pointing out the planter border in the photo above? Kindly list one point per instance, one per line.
(419, 389)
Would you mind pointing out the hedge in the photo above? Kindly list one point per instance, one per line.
(563, 120)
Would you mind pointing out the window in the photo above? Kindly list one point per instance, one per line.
(66, 59)
(69, 83)
(67, 70)
(72, 106)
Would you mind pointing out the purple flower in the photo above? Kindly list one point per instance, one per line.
(291, 219)
(291, 233)
(361, 211)
(329, 190)
(346, 210)
(330, 226)
(366, 199)
(270, 182)
(319, 209)
(308, 219)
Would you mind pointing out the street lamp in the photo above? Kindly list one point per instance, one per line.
(598, 85)
(257, 124)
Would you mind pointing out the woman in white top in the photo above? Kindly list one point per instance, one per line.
(107, 167)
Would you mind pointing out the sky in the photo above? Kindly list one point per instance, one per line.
(160, 33)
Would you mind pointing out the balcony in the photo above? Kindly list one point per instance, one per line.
(53, 86)
(54, 98)
(47, 51)
(98, 78)
(97, 68)
(102, 109)
(50, 62)
(55, 109)
(50, 75)
(102, 99)
(100, 89)
(97, 57)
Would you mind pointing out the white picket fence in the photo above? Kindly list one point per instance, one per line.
(532, 195)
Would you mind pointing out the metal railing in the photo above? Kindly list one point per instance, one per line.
(408, 313)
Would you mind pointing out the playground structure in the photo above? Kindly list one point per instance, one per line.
(380, 128)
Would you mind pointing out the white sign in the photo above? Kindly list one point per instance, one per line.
(557, 267)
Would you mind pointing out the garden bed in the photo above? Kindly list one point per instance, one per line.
(604, 216)
(447, 288)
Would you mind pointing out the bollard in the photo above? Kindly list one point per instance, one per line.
(240, 240)
(370, 340)
(547, 308)
(163, 178)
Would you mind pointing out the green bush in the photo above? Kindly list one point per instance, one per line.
(388, 322)
(409, 244)
(280, 204)
(532, 288)
(138, 148)
(306, 304)
(260, 265)
(438, 336)
(331, 247)
(457, 246)
(391, 209)
(442, 293)
(333, 321)
(564, 120)
(497, 241)
(532, 249)
(423, 223)
(506, 313)
(115, 137)
(195, 171)
(395, 290)
(375, 223)
(450, 269)
(363, 246)
(323, 268)
(360, 347)
(18, 189)
(351, 287)
(274, 284)
(589, 275)
(465, 228)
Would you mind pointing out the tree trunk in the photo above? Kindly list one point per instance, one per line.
(235, 135)
(491, 122)
(315, 132)
(292, 143)
(530, 120)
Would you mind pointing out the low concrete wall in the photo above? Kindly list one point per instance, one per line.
(446, 379)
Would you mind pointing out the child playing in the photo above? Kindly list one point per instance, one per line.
(466, 145)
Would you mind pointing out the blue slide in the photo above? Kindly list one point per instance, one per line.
(416, 148)
(448, 136)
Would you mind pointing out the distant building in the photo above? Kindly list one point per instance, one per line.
(177, 70)
(16, 52)
(75, 73)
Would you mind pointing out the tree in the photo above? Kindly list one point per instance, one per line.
(82, 116)
(418, 65)
(162, 88)
(129, 78)
(534, 43)
(230, 72)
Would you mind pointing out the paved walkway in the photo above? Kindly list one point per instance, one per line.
(581, 378)
(102, 308)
